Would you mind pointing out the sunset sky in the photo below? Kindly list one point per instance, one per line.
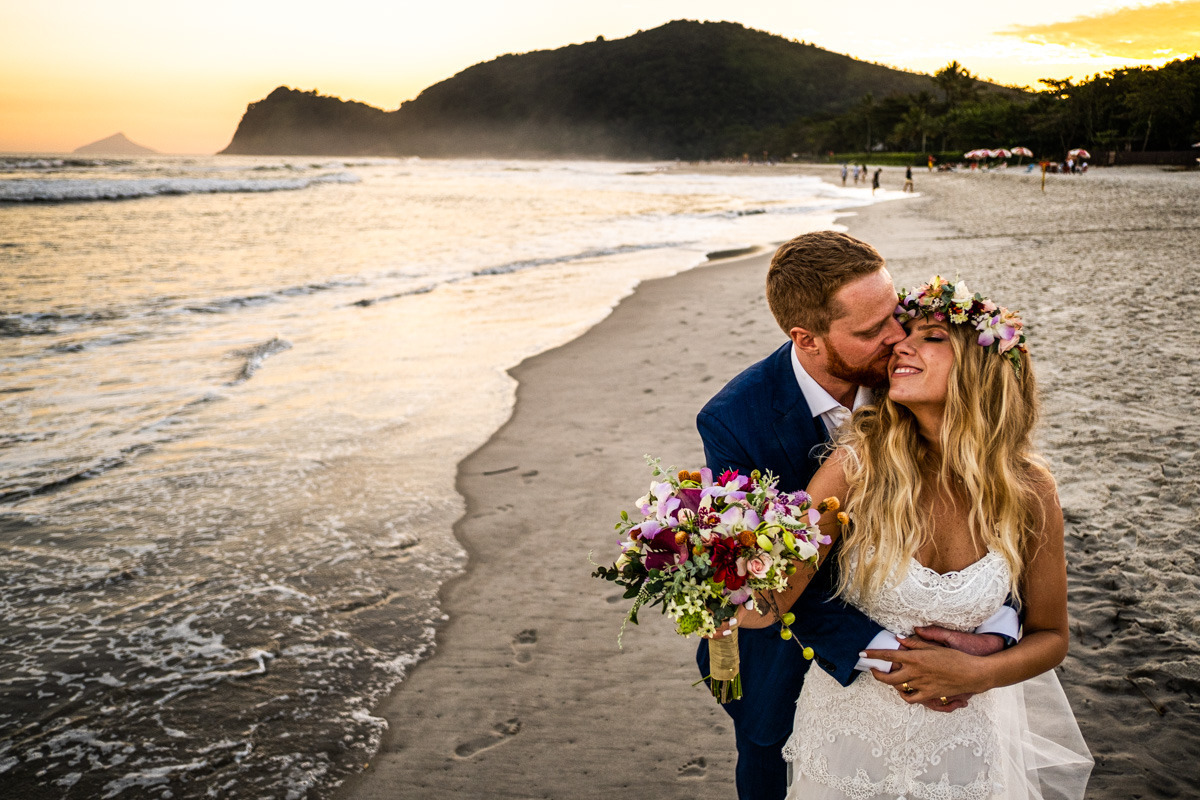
(177, 76)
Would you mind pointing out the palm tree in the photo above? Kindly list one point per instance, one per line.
(956, 83)
(916, 124)
(868, 103)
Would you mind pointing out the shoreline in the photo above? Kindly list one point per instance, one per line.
(501, 695)
(526, 694)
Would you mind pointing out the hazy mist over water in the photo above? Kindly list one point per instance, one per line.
(234, 394)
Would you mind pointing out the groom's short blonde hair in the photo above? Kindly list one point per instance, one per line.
(807, 272)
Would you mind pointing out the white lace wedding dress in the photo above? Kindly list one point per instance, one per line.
(863, 742)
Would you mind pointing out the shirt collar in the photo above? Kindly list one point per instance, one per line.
(820, 401)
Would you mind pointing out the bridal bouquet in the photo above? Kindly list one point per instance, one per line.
(702, 547)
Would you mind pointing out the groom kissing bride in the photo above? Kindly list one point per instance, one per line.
(954, 525)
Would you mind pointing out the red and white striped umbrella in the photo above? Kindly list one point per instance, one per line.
(1000, 153)
(1022, 151)
(976, 154)
(1078, 152)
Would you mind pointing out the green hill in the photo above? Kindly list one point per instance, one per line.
(683, 90)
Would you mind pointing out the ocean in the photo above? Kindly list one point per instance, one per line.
(234, 394)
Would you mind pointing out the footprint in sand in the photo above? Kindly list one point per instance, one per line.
(522, 645)
(500, 733)
(694, 769)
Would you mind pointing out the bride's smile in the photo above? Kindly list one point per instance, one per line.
(919, 370)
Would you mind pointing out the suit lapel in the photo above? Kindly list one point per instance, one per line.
(797, 431)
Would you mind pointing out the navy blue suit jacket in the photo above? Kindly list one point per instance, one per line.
(760, 420)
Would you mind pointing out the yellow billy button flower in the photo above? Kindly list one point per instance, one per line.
(843, 518)
(829, 504)
(698, 550)
(746, 538)
(788, 618)
(680, 537)
(785, 634)
(808, 653)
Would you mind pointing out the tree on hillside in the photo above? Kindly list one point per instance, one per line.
(956, 83)
(868, 104)
(916, 124)
(1151, 95)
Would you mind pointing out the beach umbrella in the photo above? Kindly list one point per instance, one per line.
(976, 154)
(1022, 151)
(1000, 153)
(1078, 152)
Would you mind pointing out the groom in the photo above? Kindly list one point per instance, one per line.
(833, 297)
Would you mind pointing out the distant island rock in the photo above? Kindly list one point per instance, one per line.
(116, 145)
(683, 90)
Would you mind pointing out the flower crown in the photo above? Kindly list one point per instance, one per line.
(999, 329)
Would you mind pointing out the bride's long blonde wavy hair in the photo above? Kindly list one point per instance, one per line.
(986, 439)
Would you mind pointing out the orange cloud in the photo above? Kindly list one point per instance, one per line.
(1159, 31)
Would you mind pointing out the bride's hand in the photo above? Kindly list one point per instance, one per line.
(724, 629)
(747, 618)
(924, 672)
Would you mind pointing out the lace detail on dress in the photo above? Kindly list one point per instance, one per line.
(960, 600)
(864, 742)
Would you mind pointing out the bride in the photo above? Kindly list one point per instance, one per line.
(951, 511)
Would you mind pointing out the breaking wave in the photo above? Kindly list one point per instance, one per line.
(82, 190)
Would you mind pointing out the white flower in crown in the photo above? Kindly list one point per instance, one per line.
(962, 295)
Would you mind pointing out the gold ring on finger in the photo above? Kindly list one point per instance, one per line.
(945, 702)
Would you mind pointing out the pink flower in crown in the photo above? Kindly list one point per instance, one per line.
(987, 333)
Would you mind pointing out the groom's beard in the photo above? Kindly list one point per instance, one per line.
(873, 376)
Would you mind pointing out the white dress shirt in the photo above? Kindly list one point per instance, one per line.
(833, 414)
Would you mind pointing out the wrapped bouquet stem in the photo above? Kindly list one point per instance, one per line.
(701, 547)
(724, 669)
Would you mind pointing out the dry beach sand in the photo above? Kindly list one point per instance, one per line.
(528, 696)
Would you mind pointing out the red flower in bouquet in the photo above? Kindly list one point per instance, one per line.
(663, 548)
(724, 556)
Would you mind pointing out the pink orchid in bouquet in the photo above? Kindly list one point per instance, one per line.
(702, 547)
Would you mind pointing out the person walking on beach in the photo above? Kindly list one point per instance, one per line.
(922, 547)
(834, 299)
(844, 171)
(875, 179)
(908, 181)
(856, 174)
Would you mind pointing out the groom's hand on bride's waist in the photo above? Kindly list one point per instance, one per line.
(976, 644)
